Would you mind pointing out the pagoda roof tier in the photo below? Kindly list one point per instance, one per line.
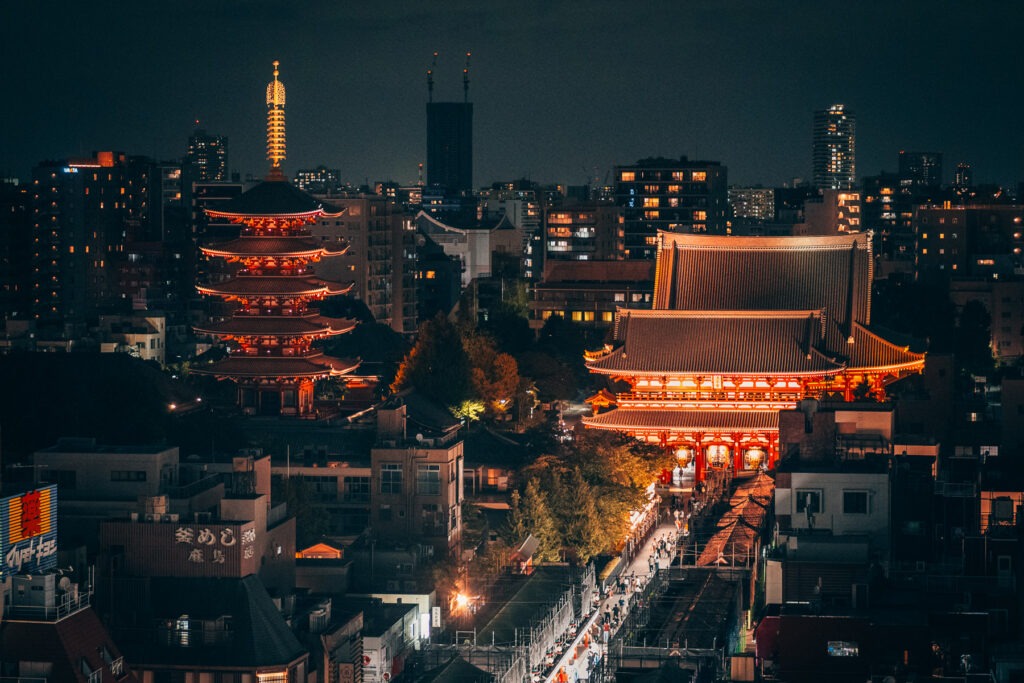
(663, 343)
(271, 285)
(712, 273)
(273, 198)
(278, 326)
(295, 247)
(661, 420)
(316, 365)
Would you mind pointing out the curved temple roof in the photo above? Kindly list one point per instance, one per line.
(273, 198)
(278, 326)
(313, 366)
(295, 247)
(646, 419)
(267, 285)
(719, 342)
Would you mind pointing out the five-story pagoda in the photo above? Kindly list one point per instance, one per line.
(271, 333)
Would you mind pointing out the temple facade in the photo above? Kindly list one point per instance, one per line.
(270, 335)
(741, 328)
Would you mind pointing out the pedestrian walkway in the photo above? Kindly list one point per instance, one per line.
(590, 644)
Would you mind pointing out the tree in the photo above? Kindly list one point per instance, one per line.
(437, 365)
(516, 526)
(581, 525)
(540, 522)
(494, 376)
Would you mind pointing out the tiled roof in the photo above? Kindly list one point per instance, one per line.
(869, 351)
(707, 273)
(605, 272)
(249, 285)
(719, 342)
(639, 419)
(735, 540)
(273, 198)
(279, 326)
(274, 246)
(239, 365)
(65, 644)
(259, 635)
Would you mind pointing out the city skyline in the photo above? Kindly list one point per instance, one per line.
(560, 95)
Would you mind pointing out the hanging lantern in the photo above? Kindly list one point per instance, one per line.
(718, 456)
(753, 458)
(684, 455)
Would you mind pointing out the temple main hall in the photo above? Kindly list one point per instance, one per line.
(741, 328)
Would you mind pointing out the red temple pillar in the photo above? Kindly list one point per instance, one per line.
(699, 464)
(737, 454)
(773, 450)
(847, 388)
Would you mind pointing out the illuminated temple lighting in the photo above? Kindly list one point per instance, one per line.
(270, 335)
(715, 359)
(275, 123)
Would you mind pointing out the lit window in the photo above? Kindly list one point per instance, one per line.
(628, 176)
(699, 176)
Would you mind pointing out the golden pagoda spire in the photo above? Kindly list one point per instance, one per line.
(275, 124)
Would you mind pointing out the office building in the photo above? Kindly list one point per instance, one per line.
(835, 148)
(921, 169)
(207, 157)
(450, 145)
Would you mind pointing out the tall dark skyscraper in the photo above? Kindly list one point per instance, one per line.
(450, 145)
(835, 136)
(921, 169)
(207, 157)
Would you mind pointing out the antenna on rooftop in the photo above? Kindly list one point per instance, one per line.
(430, 79)
(465, 79)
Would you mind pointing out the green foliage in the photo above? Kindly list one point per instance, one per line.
(540, 522)
(469, 410)
(594, 483)
(580, 522)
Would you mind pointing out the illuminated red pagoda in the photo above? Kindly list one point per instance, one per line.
(271, 333)
(741, 328)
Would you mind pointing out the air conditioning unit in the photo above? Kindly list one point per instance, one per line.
(172, 517)
(152, 517)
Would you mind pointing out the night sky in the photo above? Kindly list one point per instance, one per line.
(561, 90)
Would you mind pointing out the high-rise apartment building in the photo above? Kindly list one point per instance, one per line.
(752, 203)
(319, 180)
(674, 195)
(207, 157)
(835, 137)
(84, 214)
(450, 145)
(964, 176)
(921, 169)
